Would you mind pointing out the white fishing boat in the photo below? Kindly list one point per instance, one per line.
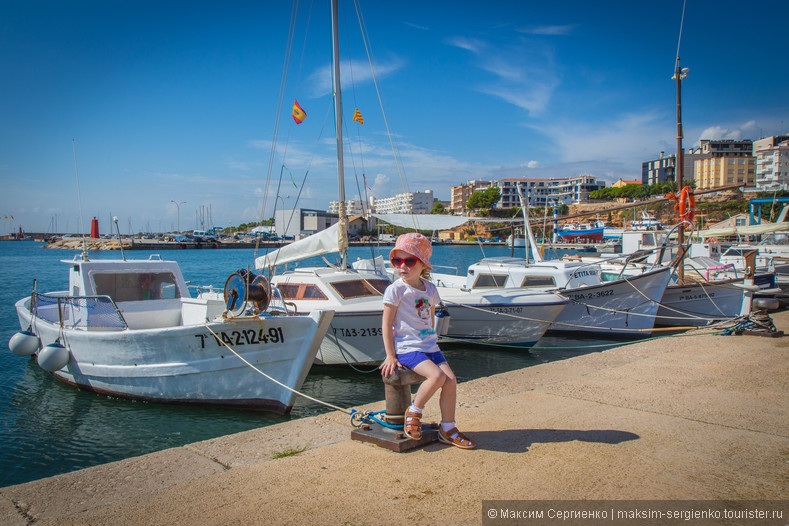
(710, 289)
(623, 307)
(513, 317)
(646, 222)
(626, 306)
(131, 329)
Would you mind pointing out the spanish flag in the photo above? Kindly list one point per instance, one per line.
(357, 116)
(298, 113)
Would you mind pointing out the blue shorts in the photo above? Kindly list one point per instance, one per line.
(412, 359)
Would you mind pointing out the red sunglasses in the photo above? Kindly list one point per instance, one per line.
(409, 262)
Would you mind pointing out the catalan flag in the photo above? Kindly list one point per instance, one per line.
(365, 182)
(357, 116)
(298, 112)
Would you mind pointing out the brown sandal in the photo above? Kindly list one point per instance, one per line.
(460, 439)
(413, 425)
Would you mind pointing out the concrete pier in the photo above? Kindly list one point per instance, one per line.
(691, 417)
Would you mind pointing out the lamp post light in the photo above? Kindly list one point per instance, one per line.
(178, 207)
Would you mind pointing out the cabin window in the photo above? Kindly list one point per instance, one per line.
(301, 291)
(538, 281)
(359, 288)
(142, 286)
(495, 281)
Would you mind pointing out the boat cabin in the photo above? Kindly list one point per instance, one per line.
(148, 293)
(510, 272)
(328, 285)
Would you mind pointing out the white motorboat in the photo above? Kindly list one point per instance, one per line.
(131, 329)
(354, 337)
(513, 317)
(625, 306)
(646, 222)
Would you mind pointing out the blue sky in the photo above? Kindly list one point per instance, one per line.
(175, 101)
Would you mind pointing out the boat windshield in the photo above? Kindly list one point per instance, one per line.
(136, 286)
(359, 288)
(301, 291)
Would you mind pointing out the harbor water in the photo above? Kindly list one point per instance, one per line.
(50, 428)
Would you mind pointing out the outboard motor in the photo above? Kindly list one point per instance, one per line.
(441, 321)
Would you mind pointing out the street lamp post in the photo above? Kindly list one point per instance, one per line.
(178, 207)
(679, 74)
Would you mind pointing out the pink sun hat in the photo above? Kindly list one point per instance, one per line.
(415, 244)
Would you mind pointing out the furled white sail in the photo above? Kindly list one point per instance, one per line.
(743, 230)
(324, 242)
(433, 221)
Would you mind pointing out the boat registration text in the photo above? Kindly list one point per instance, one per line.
(245, 337)
(591, 295)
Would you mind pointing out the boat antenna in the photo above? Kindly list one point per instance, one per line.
(79, 199)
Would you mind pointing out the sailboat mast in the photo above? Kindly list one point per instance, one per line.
(343, 234)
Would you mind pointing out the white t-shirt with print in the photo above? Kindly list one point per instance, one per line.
(413, 324)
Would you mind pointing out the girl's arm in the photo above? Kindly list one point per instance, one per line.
(391, 363)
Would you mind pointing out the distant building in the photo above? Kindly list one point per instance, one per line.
(406, 203)
(548, 192)
(663, 169)
(301, 221)
(620, 183)
(725, 162)
(460, 194)
(772, 163)
(353, 207)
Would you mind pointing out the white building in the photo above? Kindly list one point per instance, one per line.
(548, 192)
(407, 203)
(772, 163)
(353, 207)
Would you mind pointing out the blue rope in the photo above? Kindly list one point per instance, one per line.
(370, 418)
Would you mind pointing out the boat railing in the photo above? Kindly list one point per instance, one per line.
(88, 312)
(448, 268)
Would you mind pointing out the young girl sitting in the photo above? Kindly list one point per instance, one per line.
(411, 341)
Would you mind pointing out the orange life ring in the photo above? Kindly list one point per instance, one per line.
(710, 241)
(686, 204)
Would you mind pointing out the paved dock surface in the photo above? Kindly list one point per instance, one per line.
(691, 417)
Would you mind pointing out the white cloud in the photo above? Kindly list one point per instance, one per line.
(531, 164)
(318, 83)
(523, 72)
(470, 44)
(548, 30)
(745, 130)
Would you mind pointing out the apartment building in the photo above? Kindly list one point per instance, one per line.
(353, 207)
(548, 192)
(460, 194)
(724, 162)
(664, 168)
(772, 163)
(405, 203)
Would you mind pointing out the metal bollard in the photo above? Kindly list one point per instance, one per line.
(398, 393)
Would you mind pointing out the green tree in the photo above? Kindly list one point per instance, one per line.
(484, 199)
(438, 208)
